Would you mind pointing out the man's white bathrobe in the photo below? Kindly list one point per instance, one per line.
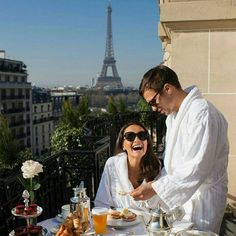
(195, 160)
(115, 179)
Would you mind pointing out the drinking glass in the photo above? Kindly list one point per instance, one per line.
(99, 219)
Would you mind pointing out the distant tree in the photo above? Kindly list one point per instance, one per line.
(83, 107)
(66, 137)
(70, 130)
(143, 105)
(143, 108)
(25, 155)
(112, 106)
(69, 115)
(9, 148)
(122, 106)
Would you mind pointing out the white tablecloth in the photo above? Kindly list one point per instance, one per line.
(138, 229)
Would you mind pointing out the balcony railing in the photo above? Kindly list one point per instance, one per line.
(64, 170)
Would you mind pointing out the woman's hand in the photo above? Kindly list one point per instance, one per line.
(143, 192)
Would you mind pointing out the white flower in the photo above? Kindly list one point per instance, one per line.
(31, 168)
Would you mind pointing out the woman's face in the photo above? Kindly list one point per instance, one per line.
(135, 141)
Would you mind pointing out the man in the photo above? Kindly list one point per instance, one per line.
(196, 154)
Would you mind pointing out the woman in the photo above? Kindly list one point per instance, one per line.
(134, 163)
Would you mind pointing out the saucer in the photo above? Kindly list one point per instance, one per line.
(54, 230)
(59, 218)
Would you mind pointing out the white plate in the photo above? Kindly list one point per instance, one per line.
(196, 232)
(119, 223)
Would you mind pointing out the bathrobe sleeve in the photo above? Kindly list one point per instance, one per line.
(104, 196)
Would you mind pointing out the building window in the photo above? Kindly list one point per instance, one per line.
(28, 142)
(20, 93)
(12, 93)
(23, 79)
(3, 95)
(27, 93)
(28, 130)
(7, 78)
(28, 118)
(27, 106)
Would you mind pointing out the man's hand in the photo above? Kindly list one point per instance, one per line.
(143, 192)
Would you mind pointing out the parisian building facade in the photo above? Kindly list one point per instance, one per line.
(15, 99)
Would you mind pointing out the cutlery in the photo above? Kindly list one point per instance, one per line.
(123, 193)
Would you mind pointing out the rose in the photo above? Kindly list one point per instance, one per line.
(30, 169)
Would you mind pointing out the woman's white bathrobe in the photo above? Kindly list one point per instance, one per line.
(196, 158)
(115, 179)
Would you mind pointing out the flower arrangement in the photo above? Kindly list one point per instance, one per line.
(30, 169)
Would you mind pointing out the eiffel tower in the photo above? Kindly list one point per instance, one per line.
(104, 80)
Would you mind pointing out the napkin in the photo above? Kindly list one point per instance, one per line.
(181, 225)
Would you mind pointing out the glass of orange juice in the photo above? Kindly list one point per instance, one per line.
(99, 219)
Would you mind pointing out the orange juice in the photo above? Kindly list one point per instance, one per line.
(99, 219)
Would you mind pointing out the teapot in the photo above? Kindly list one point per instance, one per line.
(160, 222)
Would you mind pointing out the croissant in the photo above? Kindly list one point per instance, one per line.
(60, 231)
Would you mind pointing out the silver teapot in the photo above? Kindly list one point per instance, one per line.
(159, 223)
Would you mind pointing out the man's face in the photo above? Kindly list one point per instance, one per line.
(158, 101)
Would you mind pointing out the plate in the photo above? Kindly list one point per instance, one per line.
(39, 212)
(196, 232)
(45, 231)
(54, 230)
(119, 223)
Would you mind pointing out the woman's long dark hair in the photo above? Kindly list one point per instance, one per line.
(150, 164)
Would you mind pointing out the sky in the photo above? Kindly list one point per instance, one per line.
(62, 42)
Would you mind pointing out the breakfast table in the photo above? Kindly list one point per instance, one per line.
(53, 224)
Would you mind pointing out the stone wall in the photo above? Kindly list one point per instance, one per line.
(199, 43)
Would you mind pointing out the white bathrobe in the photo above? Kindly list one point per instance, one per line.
(196, 158)
(115, 179)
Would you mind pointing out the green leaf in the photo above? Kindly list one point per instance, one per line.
(37, 186)
(25, 183)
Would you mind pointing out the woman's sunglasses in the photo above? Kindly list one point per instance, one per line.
(130, 136)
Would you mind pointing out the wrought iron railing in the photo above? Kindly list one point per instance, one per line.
(64, 170)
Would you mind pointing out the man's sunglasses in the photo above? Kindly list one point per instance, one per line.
(153, 101)
(130, 136)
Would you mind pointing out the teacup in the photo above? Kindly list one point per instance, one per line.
(65, 211)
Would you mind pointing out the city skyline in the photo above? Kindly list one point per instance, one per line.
(63, 42)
